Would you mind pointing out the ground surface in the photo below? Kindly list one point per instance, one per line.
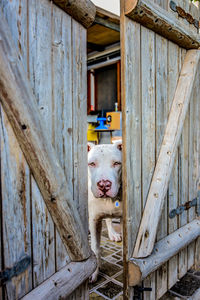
(110, 281)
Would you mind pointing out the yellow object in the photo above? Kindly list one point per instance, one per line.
(92, 135)
(115, 123)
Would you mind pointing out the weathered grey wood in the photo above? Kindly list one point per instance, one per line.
(15, 192)
(162, 22)
(79, 131)
(161, 120)
(157, 192)
(163, 251)
(25, 120)
(83, 11)
(183, 177)
(40, 75)
(64, 282)
(173, 195)
(193, 161)
(62, 105)
(42, 238)
(15, 174)
(148, 94)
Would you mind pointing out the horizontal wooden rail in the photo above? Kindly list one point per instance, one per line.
(158, 188)
(20, 105)
(83, 11)
(64, 282)
(166, 248)
(162, 22)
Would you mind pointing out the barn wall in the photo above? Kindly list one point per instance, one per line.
(52, 47)
(151, 69)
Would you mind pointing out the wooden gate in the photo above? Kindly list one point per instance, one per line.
(161, 136)
(43, 205)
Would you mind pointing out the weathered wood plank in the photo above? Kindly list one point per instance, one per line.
(173, 197)
(64, 282)
(25, 120)
(79, 130)
(15, 193)
(83, 11)
(62, 106)
(40, 74)
(163, 251)
(157, 192)
(43, 238)
(132, 127)
(15, 171)
(162, 22)
(148, 123)
(183, 177)
(161, 120)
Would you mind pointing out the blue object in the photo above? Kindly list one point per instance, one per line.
(117, 203)
(101, 125)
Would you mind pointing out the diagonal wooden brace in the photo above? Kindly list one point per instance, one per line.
(158, 189)
(19, 103)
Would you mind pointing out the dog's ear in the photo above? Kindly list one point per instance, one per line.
(89, 146)
(119, 145)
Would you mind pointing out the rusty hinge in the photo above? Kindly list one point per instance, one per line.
(183, 14)
(18, 268)
(180, 209)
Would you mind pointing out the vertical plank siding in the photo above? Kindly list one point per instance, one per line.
(150, 73)
(52, 47)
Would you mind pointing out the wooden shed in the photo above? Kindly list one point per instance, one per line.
(161, 136)
(43, 202)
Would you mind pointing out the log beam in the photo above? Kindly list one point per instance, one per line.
(158, 188)
(20, 105)
(162, 22)
(83, 11)
(64, 282)
(165, 249)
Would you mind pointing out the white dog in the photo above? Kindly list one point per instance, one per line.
(104, 193)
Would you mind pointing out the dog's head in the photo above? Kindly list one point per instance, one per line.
(105, 167)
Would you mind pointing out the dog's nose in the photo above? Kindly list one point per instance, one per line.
(104, 185)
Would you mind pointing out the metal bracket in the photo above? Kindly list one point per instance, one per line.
(180, 209)
(139, 290)
(183, 14)
(18, 268)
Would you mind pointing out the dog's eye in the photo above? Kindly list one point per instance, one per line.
(92, 164)
(117, 163)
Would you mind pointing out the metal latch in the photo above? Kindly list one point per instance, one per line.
(18, 268)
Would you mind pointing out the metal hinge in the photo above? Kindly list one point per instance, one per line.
(18, 268)
(183, 14)
(180, 209)
(139, 290)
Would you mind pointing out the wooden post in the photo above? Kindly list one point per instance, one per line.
(83, 11)
(162, 22)
(64, 282)
(20, 106)
(155, 199)
(165, 249)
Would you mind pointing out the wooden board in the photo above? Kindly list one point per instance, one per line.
(173, 74)
(148, 124)
(16, 225)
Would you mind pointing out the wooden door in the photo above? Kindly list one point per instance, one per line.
(43, 151)
(161, 136)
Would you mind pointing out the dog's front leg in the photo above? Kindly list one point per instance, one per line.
(113, 235)
(95, 232)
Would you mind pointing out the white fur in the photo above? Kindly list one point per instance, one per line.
(104, 164)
